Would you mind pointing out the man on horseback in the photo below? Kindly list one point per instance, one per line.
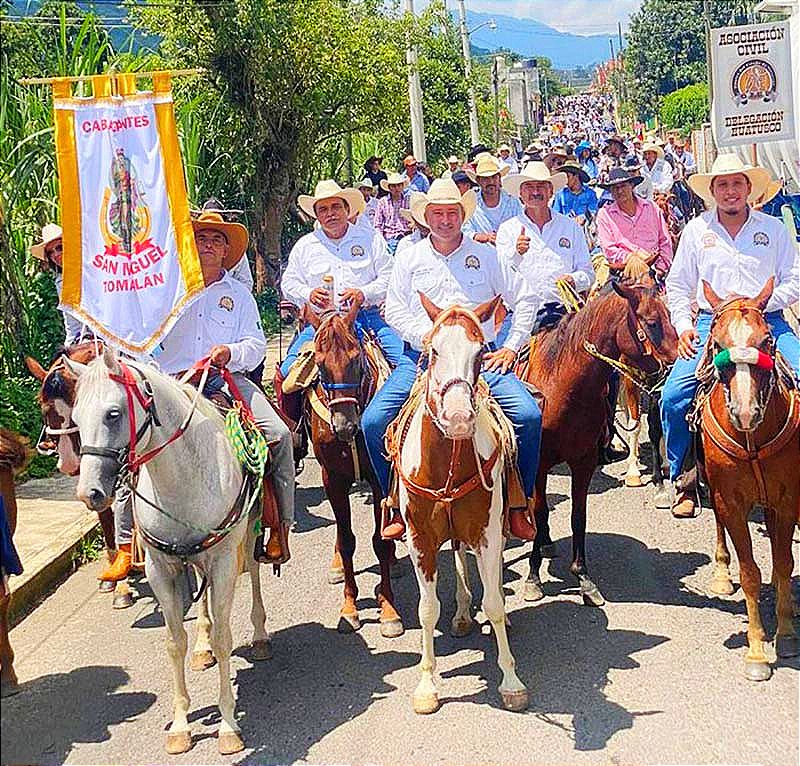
(223, 324)
(354, 257)
(494, 205)
(734, 249)
(451, 269)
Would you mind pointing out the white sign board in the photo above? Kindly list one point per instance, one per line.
(752, 72)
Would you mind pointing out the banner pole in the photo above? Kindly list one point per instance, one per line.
(754, 154)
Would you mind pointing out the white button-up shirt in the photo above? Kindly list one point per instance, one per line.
(762, 248)
(660, 175)
(558, 248)
(467, 277)
(224, 314)
(408, 242)
(358, 260)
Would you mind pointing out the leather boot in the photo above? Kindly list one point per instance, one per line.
(393, 527)
(121, 566)
(277, 548)
(519, 524)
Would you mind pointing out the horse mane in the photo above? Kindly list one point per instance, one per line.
(14, 451)
(336, 336)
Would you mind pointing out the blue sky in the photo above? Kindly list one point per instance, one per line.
(580, 17)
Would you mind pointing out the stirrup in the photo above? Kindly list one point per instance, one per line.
(392, 527)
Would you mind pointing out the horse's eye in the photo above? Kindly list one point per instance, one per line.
(112, 415)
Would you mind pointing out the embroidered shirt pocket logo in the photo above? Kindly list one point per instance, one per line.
(760, 238)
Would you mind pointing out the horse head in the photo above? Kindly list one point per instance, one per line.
(342, 368)
(647, 339)
(56, 400)
(743, 351)
(455, 352)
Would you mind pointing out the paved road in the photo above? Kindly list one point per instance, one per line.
(654, 677)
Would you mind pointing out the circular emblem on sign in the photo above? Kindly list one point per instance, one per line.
(753, 80)
(356, 251)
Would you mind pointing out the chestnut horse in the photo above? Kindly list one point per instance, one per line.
(344, 387)
(625, 319)
(750, 427)
(450, 463)
(14, 455)
(60, 437)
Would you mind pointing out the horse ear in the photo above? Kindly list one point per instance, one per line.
(35, 369)
(487, 309)
(430, 307)
(713, 299)
(763, 297)
(352, 312)
(625, 291)
(111, 362)
(309, 316)
(76, 368)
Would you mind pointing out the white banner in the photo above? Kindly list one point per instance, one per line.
(752, 75)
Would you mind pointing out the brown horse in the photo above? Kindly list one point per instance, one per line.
(14, 454)
(666, 204)
(333, 410)
(625, 319)
(750, 426)
(60, 437)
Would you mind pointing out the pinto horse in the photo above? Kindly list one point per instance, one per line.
(60, 437)
(447, 456)
(334, 406)
(750, 426)
(567, 366)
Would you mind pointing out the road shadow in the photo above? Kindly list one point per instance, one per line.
(36, 728)
(317, 680)
(305, 521)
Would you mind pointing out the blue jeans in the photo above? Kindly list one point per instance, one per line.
(368, 319)
(512, 396)
(681, 386)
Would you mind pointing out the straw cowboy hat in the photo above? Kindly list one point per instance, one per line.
(235, 233)
(534, 171)
(729, 165)
(773, 187)
(619, 176)
(616, 140)
(395, 179)
(504, 148)
(365, 183)
(443, 191)
(50, 233)
(409, 160)
(557, 151)
(487, 165)
(651, 147)
(453, 160)
(328, 189)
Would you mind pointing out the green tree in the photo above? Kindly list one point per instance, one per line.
(686, 108)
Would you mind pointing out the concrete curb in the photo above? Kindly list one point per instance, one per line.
(45, 570)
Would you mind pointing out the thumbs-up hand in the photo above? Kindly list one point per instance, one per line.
(523, 242)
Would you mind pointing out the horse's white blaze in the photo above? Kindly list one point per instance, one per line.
(742, 389)
(68, 460)
(455, 357)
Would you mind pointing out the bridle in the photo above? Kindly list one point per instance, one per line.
(47, 430)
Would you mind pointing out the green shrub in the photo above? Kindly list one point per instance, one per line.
(685, 109)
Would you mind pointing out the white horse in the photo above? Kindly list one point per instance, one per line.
(186, 493)
(451, 488)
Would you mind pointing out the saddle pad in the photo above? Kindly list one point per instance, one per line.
(377, 360)
(303, 371)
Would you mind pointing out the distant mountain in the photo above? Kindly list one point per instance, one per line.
(531, 38)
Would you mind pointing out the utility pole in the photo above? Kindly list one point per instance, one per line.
(474, 130)
(619, 34)
(415, 95)
(496, 89)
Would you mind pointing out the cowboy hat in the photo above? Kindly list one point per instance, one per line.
(504, 148)
(487, 165)
(572, 166)
(235, 233)
(615, 139)
(365, 182)
(50, 233)
(372, 158)
(557, 151)
(453, 160)
(395, 179)
(443, 191)
(534, 171)
(328, 189)
(773, 187)
(619, 176)
(405, 212)
(650, 147)
(409, 160)
(729, 165)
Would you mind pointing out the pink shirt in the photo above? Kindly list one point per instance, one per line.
(620, 234)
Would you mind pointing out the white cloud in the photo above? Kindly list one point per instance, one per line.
(580, 17)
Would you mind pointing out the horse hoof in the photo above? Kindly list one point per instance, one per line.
(461, 628)
(787, 646)
(178, 742)
(548, 551)
(633, 481)
(662, 500)
(348, 623)
(721, 586)
(532, 591)
(757, 671)
(335, 576)
(229, 742)
(106, 586)
(261, 650)
(202, 660)
(122, 600)
(591, 594)
(392, 628)
(516, 700)
(425, 704)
